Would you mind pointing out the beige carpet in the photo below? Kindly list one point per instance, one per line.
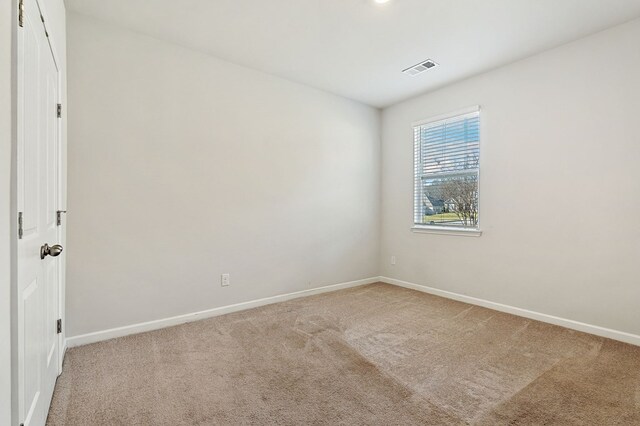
(371, 355)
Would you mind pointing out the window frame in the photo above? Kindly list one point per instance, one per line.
(440, 229)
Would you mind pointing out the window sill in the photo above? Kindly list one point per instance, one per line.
(443, 230)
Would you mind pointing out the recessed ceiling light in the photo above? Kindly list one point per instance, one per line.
(381, 1)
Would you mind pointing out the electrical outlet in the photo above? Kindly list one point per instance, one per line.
(225, 280)
(393, 260)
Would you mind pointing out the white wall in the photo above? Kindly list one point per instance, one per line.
(560, 185)
(183, 167)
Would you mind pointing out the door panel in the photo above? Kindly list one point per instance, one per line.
(49, 182)
(51, 313)
(38, 189)
(28, 172)
(50, 136)
(30, 292)
(32, 340)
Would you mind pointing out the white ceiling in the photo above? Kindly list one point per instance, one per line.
(357, 48)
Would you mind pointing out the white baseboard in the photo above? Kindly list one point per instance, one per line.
(98, 336)
(622, 336)
(195, 316)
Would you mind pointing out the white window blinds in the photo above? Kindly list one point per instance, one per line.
(446, 167)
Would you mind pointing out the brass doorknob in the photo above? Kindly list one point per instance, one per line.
(54, 250)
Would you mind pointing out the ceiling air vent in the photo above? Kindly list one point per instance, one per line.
(421, 67)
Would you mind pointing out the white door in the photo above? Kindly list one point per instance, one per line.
(38, 202)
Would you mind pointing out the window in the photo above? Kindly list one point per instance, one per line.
(447, 164)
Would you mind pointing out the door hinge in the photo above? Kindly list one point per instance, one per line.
(21, 13)
(59, 217)
(20, 231)
(59, 326)
(59, 110)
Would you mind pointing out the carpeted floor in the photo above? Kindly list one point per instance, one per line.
(371, 355)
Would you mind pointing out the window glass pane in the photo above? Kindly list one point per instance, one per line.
(450, 200)
(447, 159)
